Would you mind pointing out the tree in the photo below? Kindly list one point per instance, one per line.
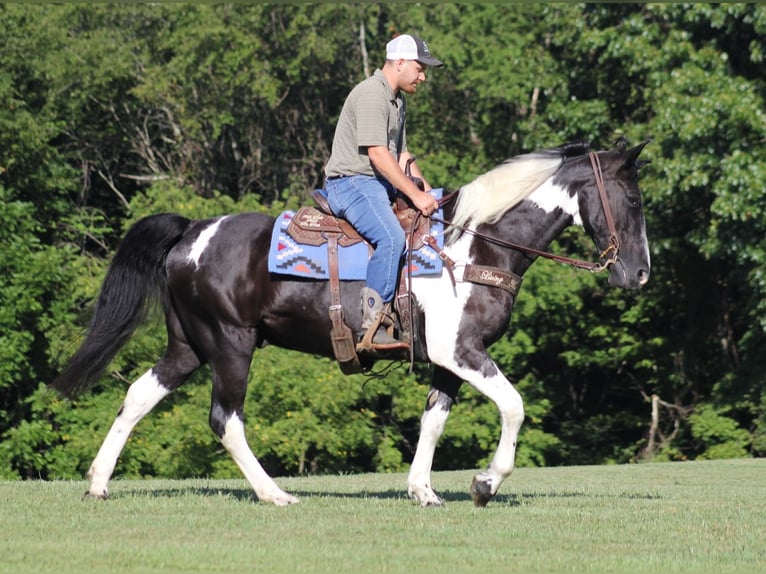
(113, 112)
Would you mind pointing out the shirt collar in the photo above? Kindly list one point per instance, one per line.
(394, 97)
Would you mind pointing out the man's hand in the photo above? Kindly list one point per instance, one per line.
(424, 203)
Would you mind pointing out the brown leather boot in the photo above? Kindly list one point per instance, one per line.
(373, 334)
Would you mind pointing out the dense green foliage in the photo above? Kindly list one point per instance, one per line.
(111, 112)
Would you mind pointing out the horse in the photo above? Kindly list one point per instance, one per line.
(221, 303)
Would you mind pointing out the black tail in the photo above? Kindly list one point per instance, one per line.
(136, 277)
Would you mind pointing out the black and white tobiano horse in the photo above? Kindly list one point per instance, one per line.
(221, 303)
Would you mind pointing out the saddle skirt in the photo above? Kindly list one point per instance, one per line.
(299, 245)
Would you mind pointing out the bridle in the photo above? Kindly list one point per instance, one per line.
(607, 257)
(614, 241)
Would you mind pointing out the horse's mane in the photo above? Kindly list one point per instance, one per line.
(489, 196)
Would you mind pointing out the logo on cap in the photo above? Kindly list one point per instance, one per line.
(409, 47)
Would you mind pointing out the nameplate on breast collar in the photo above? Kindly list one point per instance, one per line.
(493, 277)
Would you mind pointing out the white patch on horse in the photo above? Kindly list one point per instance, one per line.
(443, 303)
(419, 479)
(142, 396)
(203, 241)
(265, 488)
(550, 196)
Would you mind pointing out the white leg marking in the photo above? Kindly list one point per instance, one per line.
(419, 479)
(236, 444)
(511, 407)
(204, 240)
(142, 396)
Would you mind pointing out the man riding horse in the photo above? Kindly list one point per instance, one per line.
(367, 167)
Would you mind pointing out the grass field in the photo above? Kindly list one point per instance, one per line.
(671, 517)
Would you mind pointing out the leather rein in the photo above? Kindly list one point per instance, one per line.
(500, 278)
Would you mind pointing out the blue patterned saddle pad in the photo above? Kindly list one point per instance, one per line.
(288, 257)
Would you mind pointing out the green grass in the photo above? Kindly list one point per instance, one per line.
(672, 517)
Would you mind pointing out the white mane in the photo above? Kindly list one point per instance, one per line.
(490, 195)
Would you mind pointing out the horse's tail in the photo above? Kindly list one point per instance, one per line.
(135, 278)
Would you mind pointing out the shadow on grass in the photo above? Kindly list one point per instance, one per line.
(241, 494)
(449, 496)
(247, 495)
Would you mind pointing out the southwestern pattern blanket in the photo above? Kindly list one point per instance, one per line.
(289, 257)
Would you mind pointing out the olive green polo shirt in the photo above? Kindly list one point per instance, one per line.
(372, 115)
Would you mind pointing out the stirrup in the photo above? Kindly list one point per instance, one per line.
(368, 345)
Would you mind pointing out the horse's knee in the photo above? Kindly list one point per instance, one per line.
(439, 399)
(219, 417)
(511, 407)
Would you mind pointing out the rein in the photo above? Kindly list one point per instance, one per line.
(606, 258)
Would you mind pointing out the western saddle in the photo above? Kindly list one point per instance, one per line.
(316, 225)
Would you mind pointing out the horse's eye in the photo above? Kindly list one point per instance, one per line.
(633, 200)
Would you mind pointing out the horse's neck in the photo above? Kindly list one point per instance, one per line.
(529, 224)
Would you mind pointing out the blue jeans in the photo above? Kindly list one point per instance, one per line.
(366, 203)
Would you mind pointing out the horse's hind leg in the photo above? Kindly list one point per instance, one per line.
(143, 395)
(226, 419)
(233, 439)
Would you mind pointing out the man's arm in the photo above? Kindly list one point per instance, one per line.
(385, 163)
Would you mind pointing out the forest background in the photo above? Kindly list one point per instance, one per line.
(109, 113)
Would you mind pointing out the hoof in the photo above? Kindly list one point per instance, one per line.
(481, 492)
(286, 501)
(427, 498)
(88, 495)
(434, 502)
(280, 499)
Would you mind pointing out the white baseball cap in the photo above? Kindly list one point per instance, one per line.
(409, 47)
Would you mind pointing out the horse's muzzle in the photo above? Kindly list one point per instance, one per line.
(628, 277)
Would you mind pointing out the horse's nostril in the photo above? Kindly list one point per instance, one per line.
(643, 277)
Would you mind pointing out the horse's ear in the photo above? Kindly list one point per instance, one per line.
(642, 162)
(631, 160)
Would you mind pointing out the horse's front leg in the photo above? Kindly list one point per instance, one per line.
(496, 387)
(470, 363)
(441, 397)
